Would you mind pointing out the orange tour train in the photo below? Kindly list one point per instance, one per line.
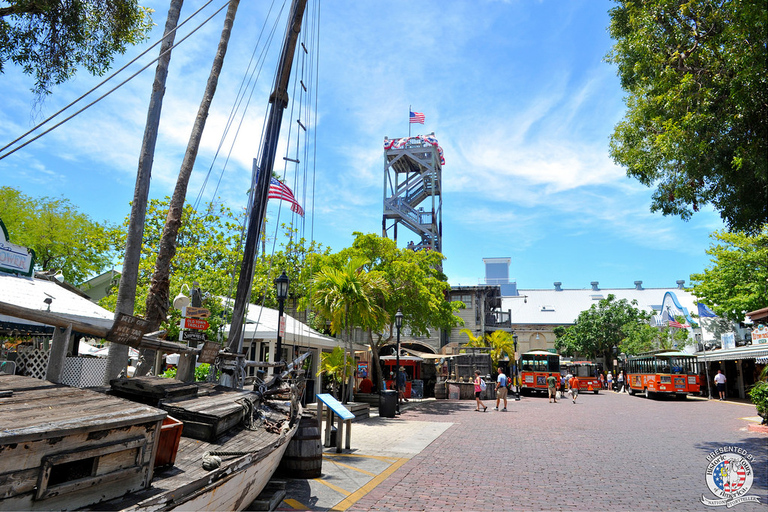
(663, 373)
(586, 371)
(535, 367)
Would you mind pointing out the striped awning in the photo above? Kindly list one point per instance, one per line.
(731, 354)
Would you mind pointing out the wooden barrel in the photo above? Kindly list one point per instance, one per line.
(440, 390)
(304, 456)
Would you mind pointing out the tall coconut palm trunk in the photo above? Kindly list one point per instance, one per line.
(126, 295)
(158, 296)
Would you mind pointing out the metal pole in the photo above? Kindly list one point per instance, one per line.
(279, 347)
(517, 382)
(397, 370)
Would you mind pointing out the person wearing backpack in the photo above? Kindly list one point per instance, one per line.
(479, 388)
(501, 389)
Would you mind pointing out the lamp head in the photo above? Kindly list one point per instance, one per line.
(399, 318)
(281, 286)
(181, 301)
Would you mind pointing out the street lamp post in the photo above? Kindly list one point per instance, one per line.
(514, 357)
(398, 325)
(281, 290)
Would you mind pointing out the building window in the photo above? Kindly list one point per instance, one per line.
(466, 298)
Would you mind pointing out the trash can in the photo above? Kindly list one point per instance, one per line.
(387, 403)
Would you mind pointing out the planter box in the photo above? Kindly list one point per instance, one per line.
(168, 445)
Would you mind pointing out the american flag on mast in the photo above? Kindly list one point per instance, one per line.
(417, 117)
(674, 323)
(278, 190)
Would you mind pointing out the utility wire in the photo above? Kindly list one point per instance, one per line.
(102, 83)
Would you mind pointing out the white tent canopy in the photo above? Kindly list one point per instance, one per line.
(261, 324)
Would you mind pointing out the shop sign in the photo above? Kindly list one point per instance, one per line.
(195, 323)
(15, 258)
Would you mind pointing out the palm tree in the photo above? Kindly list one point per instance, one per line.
(350, 296)
(334, 365)
(501, 344)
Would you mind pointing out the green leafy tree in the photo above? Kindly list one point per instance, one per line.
(62, 237)
(696, 125)
(298, 257)
(737, 280)
(416, 286)
(641, 337)
(207, 252)
(600, 328)
(49, 39)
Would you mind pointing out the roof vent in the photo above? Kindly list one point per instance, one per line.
(680, 283)
(558, 284)
(594, 285)
(638, 285)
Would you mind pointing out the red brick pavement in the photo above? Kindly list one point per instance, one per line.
(607, 452)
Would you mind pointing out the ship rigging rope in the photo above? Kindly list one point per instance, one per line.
(306, 97)
(110, 77)
(247, 85)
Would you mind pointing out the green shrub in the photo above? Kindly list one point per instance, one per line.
(201, 373)
(759, 395)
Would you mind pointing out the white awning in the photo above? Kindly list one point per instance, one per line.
(731, 354)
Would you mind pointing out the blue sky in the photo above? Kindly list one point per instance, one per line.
(517, 93)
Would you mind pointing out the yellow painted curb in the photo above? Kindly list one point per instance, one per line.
(352, 498)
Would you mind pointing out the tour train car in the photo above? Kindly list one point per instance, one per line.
(663, 373)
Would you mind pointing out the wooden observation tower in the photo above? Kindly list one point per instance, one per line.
(412, 190)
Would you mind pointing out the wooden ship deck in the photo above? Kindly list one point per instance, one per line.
(65, 448)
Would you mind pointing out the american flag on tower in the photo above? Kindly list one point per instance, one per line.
(417, 117)
(278, 190)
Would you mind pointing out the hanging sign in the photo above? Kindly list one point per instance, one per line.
(209, 352)
(195, 323)
(282, 327)
(15, 258)
(760, 335)
(193, 336)
(127, 330)
(194, 312)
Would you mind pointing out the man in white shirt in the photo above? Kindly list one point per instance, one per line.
(720, 382)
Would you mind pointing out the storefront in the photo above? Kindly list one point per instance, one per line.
(741, 366)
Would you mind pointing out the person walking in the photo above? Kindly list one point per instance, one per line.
(401, 385)
(573, 384)
(552, 388)
(479, 384)
(501, 389)
(609, 381)
(620, 382)
(720, 383)
(602, 381)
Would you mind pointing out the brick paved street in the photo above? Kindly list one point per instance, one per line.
(607, 452)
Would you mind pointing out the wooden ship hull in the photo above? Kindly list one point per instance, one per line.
(65, 448)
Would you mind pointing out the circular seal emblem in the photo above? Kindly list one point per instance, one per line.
(729, 475)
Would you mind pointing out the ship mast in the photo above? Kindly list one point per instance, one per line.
(278, 102)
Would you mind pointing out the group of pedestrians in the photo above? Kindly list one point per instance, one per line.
(608, 382)
(571, 381)
(502, 384)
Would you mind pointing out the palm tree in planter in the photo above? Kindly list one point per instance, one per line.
(336, 368)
